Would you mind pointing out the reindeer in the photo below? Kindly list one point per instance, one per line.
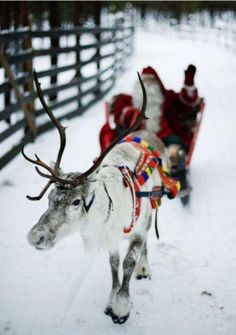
(102, 204)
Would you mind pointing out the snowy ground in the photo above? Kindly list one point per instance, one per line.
(193, 286)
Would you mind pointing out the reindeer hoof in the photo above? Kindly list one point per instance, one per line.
(108, 311)
(139, 277)
(143, 271)
(116, 319)
(119, 320)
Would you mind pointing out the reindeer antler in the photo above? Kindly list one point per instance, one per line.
(54, 172)
(38, 161)
(44, 190)
(57, 123)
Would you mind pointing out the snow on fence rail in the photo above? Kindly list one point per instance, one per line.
(76, 67)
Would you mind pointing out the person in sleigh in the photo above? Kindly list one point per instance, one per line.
(124, 108)
(179, 122)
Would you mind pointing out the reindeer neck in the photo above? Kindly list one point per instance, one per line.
(107, 188)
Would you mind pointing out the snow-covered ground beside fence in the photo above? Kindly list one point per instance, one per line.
(193, 287)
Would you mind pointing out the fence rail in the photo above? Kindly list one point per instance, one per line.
(76, 66)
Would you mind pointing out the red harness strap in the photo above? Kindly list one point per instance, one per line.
(134, 187)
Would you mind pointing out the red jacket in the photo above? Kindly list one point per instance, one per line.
(178, 118)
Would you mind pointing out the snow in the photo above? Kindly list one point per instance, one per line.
(193, 287)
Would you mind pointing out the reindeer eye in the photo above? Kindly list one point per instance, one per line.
(76, 202)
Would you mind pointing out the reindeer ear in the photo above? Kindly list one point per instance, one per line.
(60, 172)
(52, 164)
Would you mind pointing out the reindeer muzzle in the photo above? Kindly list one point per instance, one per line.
(41, 238)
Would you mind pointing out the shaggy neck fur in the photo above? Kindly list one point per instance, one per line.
(109, 212)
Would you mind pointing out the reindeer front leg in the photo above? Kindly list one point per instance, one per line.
(121, 304)
(114, 259)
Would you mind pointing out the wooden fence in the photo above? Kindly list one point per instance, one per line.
(76, 67)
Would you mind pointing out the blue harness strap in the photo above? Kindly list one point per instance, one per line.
(149, 194)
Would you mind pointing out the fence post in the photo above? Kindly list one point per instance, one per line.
(5, 24)
(28, 68)
(30, 124)
(116, 52)
(54, 23)
(78, 71)
(78, 22)
(7, 100)
(97, 20)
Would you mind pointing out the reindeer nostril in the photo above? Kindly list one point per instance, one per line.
(40, 240)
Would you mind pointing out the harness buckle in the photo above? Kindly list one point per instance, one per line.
(156, 199)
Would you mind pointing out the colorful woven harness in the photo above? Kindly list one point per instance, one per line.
(149, 161)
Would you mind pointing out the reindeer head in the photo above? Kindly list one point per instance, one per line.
(73, 193)
(66, 207)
